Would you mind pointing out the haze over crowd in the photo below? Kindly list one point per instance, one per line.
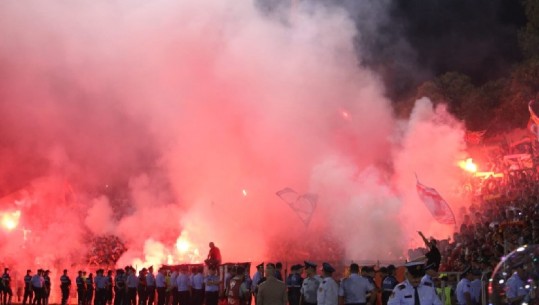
(199, 112)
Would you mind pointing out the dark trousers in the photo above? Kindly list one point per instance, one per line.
(7, 293)
(211, 297)
(89, 296)
(38, 295)
(197, 297)
(294, 296)
(150, 290)
(81, 295)
(131, 296)
(142, 295)
(175, 296)
(119, 296)
(100, 296)
(183, 297)
(161, 295)
(28, 295)
(109, 295)
(65, 293)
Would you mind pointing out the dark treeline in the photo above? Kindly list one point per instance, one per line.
(479, 57)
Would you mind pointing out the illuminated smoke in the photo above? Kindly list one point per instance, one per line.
(171, 124)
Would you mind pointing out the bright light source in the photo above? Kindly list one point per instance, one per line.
(10, 220)
(182, 245)
(520, 249)
(244, 192)
(468, 165)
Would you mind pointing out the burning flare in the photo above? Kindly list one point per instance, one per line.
(10, 220)
(468, 165)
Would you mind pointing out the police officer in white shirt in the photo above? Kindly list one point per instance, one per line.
(355, 288)
(464, 291)
(412, 291)
(328, 292)
(517, 290)
(311, 283)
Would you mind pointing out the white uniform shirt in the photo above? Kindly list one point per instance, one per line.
(403, 294)
(328, 292)
(463, 287)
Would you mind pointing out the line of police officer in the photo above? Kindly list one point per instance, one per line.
(358, 288)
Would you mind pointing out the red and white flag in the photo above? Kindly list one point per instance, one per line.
(437, 206)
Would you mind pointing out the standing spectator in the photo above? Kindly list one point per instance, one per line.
(197, 283)
(46, 287)
(37, 286)
(28, 292)
(294, 283)
(109, 294)
(150, 286)
(120, 289)
(388, 284)
(89, 289)
(131, 283)
(183, 282)
(279, 271)
(272, 291)
(161, 284)
(6, 281)
(81, 288)
(65, 284)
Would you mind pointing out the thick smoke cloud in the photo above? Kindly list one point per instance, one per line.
(173, 123)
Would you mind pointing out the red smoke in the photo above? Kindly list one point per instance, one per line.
(176, 123)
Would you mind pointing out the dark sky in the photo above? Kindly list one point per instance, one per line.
(420, 40)
(410, 41)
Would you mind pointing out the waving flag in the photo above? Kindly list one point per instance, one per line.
(304, 205)
(436, 205)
